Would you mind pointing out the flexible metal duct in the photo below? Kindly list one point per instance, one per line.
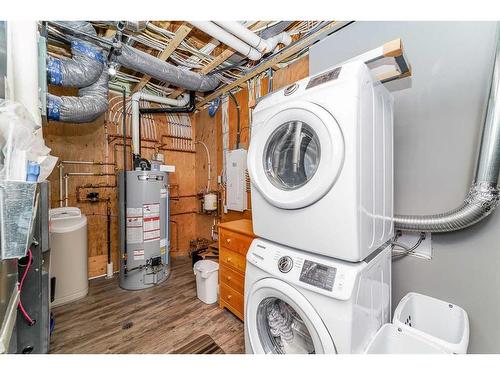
(484, 194)
(143, 62)
(91, 102)
(86, 64)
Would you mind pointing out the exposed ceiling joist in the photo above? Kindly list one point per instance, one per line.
(218, 60)
(280, 56)
(180, 34)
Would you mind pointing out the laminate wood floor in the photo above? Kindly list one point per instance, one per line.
(161, 319)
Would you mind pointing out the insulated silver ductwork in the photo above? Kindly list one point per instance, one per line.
(85, 66)
(90, 103)
(484, 194)
(143, 62)
(86, 70)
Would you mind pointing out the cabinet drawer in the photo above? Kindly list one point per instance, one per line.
(232, 298)
(232, 259)
(232, 278)
(235, 241)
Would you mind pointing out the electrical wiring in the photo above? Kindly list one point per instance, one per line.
(405, 249)
(20, 287)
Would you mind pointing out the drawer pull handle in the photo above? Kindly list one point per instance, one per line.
(229, 296)
(228, 240)
(228, 259)
(228, 278)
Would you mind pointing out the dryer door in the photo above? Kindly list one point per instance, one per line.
(296, 155)
(280, 320)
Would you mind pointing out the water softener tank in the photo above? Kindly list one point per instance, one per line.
(144, 237)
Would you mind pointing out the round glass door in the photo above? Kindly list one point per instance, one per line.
(281, 329)
(292, 155)
(279, 319)
(295, 155)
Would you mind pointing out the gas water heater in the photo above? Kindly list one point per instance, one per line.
(144, 236)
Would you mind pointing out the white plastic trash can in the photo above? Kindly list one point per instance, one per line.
(391, 339)
(68, 254)
(207, 280)
(440, 322)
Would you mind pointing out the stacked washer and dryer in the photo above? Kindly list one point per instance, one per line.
(318, 278)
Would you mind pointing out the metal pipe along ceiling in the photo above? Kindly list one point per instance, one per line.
(483, 195)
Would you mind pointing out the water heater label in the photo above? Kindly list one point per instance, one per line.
(134, 225)
(151, 214)
(138, 254)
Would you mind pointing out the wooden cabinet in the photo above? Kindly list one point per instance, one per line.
(235, 238)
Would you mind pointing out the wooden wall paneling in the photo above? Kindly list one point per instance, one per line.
(281, 78)
(87, 142)
(206, 131)
(292, 73)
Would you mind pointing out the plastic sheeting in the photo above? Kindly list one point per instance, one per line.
(85, 66)
(21, 141)
(143, 62)
(91, 102)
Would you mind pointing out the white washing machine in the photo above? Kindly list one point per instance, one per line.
(298, 302)
(320, 161)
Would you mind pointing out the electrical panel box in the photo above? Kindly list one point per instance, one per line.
(236, 192)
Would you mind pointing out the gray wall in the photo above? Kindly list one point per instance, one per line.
(438, 117)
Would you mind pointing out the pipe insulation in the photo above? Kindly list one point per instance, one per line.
(143, 62)
(91, 102)
(483, 196)
(85, 66)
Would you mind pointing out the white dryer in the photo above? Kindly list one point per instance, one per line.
(298, 302)
(321, 166)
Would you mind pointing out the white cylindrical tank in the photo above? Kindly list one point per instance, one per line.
(68, 260)
(210, 202)
(207, 280)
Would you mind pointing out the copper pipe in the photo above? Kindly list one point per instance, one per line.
(176, 234)
(84, 162)
(164, 147)
(92, 186)
(184, 213)
(114, 137)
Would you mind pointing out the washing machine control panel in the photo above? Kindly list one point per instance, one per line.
(285, 264)
(331, 277)
(317, 274)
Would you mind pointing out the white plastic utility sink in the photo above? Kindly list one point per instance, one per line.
(393, 340)
(442, 323)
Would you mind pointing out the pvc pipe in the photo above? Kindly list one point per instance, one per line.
(61, 168)
(23, 65)
(136, 97)
(66, 198)
(228, 39)
(262, 45)
(208, 162)
(241, 32)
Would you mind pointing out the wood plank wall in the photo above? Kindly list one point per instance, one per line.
(87, 142)
(209, 129)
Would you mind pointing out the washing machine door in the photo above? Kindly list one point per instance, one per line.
(280, 320)
(296, 155)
